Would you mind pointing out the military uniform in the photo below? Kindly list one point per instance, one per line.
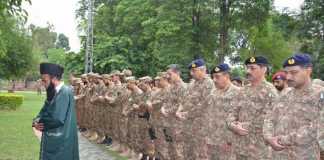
(295, 119)
(132, 124)
(156, 122)
(249, 109)
(116, 111)
(219, 136)
(173, 126)
(195, 126)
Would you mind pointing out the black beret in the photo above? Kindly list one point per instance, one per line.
(51, 69)
(256, 60)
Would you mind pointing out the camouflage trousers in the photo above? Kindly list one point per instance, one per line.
(162, 143)
(106, 122)
(132, 133)
(100, 125)
(78, 112)
(195, 142)
(115, 125)
(177, 145)
(123, 129)
(143, 135)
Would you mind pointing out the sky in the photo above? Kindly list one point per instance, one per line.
(61, 13)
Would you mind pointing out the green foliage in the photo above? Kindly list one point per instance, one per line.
(147, 35)
(63, 42)
(238, 72)
(267, 42)
(17, 58)
(10, 101)
(13, 7)
(17, 138)
(75, 62)
(57, 56)
(311, 33)
(43, 39)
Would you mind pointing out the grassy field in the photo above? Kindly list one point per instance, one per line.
(17, 141)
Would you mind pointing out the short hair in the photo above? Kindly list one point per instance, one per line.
(175, 68)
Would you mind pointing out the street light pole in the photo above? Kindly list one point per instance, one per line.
(89, 43)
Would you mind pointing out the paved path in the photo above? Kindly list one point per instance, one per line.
(90, 151)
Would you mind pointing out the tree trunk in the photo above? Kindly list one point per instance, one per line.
(195, 26)
(13, 87)
(224, 21)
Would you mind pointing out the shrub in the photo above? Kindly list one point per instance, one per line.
(10, 101)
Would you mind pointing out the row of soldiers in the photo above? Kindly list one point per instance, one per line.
(209, 118)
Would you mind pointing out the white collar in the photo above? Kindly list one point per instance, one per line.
(58, 87)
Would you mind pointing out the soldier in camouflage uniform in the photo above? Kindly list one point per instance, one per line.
(159, 99)
(99, 101)
(95, 119)
(124, 120)
(80, 99)
(292, 127)
(77, 88)
(193, 112)
(88, 107)
(107, 110)
(172, 124)
(220, 138)
(247, 115)
(122, 102)
(116, 109)
(144, 115)
(279, 80)
(132, 114)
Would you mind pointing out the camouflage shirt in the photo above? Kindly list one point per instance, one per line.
(295, 119)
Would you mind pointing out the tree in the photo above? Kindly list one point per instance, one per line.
(312, 33)
(267, 42)
(12, 7)
(63, 42)
(18, 57)
(43, 39)
(238, 16)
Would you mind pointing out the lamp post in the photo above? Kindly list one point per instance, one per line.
(89, 42)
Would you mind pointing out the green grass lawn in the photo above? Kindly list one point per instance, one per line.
(17, 141)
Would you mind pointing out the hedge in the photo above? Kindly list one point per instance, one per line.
(10, 101)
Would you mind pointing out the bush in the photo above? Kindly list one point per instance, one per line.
(10, 101)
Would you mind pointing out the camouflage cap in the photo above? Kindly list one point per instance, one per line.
(130, 79)
(97, 76)
(115, 72)
(84, 76)
(106, 76)
(145, 79)
(163, 74)
(127, 72)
